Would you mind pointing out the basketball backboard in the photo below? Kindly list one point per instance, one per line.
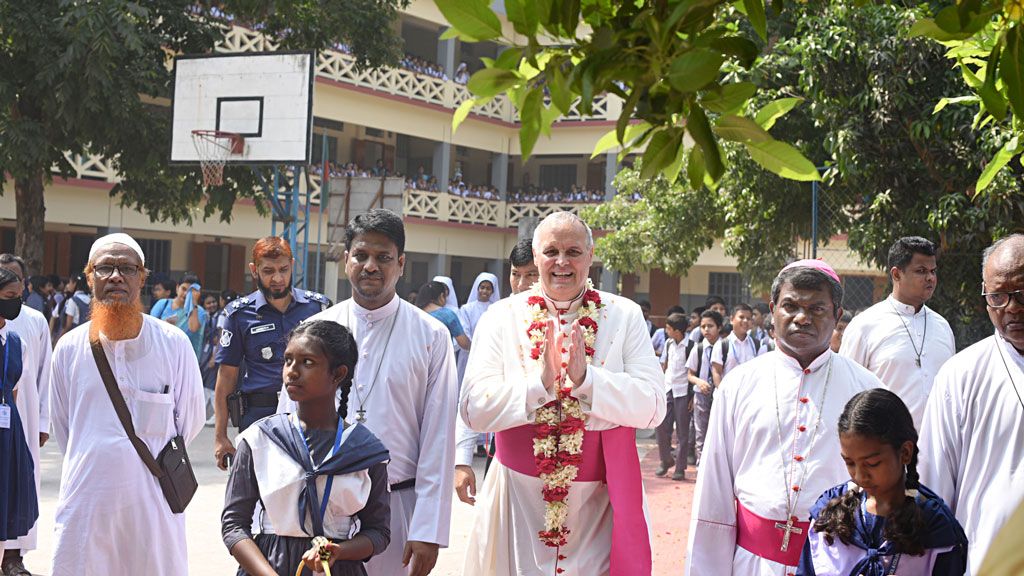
(265, 97)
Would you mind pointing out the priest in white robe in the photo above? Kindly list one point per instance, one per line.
(33, 397)
(112, 516)
(772, 446)
(900, 339)
(617, 390)
(972, 441)
(404, 390)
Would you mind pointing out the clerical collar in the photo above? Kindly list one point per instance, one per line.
(377, 313)
(814, 366)
(564, 307)
(904, 308)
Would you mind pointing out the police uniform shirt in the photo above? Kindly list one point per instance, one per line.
(255, 331)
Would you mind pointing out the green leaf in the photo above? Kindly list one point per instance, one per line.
(611, 140)
(509, 59)
(523, 16)
(472, 18)
(1001, 159)
(928, 28)
(1011, 68)
(560, 95)
(461, 113)
(530, 116)
(949, 19)
(695, 69)
(695, 168)
(970, 77)
(661, 152)
(730, 98)
(957, 100)
(627, 113)
(782, 159)
(700, 130)
(740, 129)
(492, 81)
(755, 13)
(990, 96)
(742, 48)
(772, 111)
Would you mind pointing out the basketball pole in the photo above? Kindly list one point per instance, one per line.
(292, 214)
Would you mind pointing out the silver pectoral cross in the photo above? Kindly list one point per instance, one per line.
(787, 528)
(361, 417)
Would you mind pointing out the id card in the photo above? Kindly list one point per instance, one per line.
(5, 416)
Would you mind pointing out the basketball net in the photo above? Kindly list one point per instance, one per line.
(214, 147)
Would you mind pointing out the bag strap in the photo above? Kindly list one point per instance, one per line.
(107, 374)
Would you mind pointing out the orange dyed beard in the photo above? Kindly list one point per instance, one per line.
(116, 320)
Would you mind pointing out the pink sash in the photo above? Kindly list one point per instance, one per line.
(631, 544)
(761, 537)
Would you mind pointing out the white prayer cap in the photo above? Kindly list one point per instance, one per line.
(117, 238)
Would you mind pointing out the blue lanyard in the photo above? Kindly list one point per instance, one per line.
(330, 479)
(3, 377)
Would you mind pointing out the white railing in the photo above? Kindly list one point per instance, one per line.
(89, 167)
(340, 67)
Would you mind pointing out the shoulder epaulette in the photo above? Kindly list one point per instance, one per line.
(318, 298)
(236, 305)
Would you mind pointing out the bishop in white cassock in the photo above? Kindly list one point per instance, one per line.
(620, 390)
(900, 339)
(772, 447)
(404, 390)
(972, 441)
(112, 516)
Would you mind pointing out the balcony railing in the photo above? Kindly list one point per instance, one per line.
(421, 204)
(340, 67)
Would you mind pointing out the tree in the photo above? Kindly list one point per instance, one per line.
(81, 77)
(897, 168)
(670, 61)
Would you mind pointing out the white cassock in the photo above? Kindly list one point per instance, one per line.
(33, 394)
(112, 516)
(410, 407)
(883, 339)
(502, 390)
(972, 441)
(743, 459)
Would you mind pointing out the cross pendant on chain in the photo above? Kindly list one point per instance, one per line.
(919, 362)
(787, 528)
(361, 415)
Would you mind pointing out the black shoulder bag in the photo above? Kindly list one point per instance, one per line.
(172, 467)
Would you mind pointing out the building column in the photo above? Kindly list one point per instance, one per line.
(442, 164)
(611, 169)
(438, 266)
(446, 54)
(499, 173)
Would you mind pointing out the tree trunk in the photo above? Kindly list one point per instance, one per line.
(30, 215)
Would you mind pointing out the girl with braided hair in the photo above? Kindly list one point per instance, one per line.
(315, 474)
(884, 521)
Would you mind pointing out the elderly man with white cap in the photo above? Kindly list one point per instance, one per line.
(113, 517)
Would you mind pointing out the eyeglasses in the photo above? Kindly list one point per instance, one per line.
(106, 271)
(1002, 299)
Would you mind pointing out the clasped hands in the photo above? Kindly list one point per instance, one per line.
(554, 343)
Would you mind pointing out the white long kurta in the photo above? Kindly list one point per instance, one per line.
(411, 408)
(33, 393)
(112, 516)
(878, 340)
(624, 387)
(972, 441)
(743, 459)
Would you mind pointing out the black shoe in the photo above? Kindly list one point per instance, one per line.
(664, 468)
(679, 475)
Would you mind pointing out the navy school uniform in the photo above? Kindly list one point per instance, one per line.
(257, 333)
(19, 506)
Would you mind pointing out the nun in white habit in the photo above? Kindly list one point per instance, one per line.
(473, 309)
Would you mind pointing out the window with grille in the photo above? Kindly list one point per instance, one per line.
(730, 286)
(858, 292)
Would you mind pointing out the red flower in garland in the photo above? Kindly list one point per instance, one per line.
(592, 296)
(571, 425)
(537, 326)
(568, 459)
(535, 353)
(546, 465)
(544, 430)
(535, 301)
(555, 493)
(588, 323)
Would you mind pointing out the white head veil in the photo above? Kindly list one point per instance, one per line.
(453, 300)
(485, 277)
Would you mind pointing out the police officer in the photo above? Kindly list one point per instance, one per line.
(255, 330)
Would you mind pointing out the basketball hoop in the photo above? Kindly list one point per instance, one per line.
(213, 148)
